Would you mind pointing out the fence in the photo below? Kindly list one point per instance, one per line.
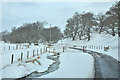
(93, 47)
(97, 47)
(30, 54)
(15, 47)
(52, 49)
(21, 56)
(36, 52)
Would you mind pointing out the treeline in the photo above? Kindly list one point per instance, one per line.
(32, 33)
(82, 25)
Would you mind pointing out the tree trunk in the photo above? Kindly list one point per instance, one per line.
(88, 37)
(119, 34)
(74, 35)
(79, 35)
(113, 31)
(119, 31)
(73, 38)
(88, 34)
(100, 29)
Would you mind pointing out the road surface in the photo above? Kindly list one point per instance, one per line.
(105, 66)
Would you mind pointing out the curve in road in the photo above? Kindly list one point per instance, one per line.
(105, 66)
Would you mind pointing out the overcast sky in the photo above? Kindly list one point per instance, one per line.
(14, 14)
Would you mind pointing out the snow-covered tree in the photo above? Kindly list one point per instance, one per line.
(101, 22)
(119, 18)
(88, 21)
(72, 26)
(112, 19)
(70, 29)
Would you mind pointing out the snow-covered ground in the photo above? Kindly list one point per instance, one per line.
(74, 64)
(7, 54)
(23, 68)
(26, 66)
(102, 40)
(0, 66)
(82, 64)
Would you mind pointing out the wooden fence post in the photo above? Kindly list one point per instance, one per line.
(9, 47)
(94, 47)
(63, 48)
(16, 47)
(33, 53)
(83, 49)
(49, 49)
(19, 47)
(90, 46)
(46, 49)
(27, 54)
(37, 52)
(4, 48)
(12, 59)
(41, 51)
(21, 56)
(101, 47)
(13, 47)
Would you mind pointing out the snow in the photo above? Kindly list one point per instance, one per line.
(7, 54)
(74, 64)
(0, 66)
(21, 69)
(102, 40)
(80, 61)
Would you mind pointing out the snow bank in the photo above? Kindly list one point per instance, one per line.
(74, 64)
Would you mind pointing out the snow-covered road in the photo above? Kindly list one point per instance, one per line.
(105, 66)
(73, 64)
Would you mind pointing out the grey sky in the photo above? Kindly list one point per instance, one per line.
(14, 14)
